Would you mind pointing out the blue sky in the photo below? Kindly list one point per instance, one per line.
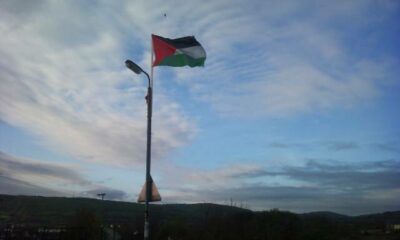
(296, 107)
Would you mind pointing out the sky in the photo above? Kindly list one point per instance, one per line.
(296, 108)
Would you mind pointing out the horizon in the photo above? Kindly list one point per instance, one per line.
(226, 204)
(296, 107)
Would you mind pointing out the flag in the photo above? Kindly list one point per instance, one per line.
(179, 52)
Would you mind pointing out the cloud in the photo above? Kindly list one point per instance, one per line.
(286, 145)
(13, 186)
(293, 87)
(65, 81)
(32, 177)
(279, 145)
(331, 145)
(356, 188)
(29, 177)
(31, 170)
(287, 64)
(388, 146)
(297, 199)
(338, 146)
(348, 177)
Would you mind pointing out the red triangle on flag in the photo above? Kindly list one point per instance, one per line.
(161, 49)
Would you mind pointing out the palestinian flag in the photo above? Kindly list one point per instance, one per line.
(185, 51)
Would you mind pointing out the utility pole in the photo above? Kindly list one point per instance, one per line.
(101, 195)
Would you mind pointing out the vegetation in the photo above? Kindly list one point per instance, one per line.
(80, 218)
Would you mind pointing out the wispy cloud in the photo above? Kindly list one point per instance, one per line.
(338, 146)
(330, 145)
(12, 186)
(33, 177)
(62, 78)
(346, 188)
(297, 199)
(65, 81)
(388, 146)
(286, 66)
(286, 145)
(39, 172)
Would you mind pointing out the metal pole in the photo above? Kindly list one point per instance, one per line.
(149, 182)
(149, 100)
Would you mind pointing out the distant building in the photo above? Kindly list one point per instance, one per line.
(393, 227)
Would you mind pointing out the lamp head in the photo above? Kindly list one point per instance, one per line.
(133, 66)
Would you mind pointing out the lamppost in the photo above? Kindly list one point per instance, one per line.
(149, 99)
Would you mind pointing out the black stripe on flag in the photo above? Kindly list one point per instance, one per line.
(182, 42)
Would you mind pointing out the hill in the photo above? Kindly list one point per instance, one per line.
(69, 216)
(57, 210)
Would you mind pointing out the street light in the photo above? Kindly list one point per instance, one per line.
(149, 99)
(136, 69)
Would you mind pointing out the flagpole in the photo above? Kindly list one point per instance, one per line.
(149, 99)
(151, 62)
